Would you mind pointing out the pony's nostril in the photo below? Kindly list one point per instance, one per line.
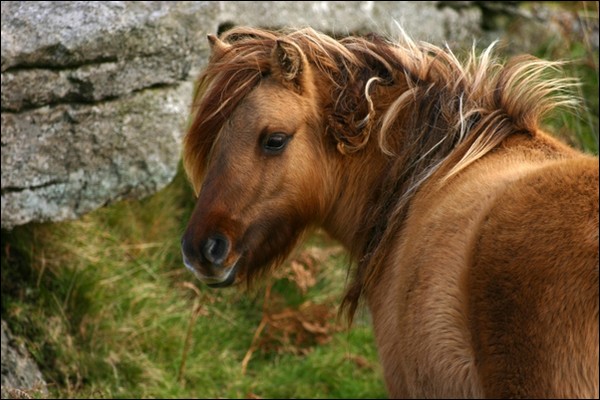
(215, 249)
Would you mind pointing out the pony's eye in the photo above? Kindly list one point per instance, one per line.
(275, 142)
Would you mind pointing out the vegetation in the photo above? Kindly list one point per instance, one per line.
(107, 310)
(579, 129)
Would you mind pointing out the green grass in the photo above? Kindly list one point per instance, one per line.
(105, 305)
(579, 129)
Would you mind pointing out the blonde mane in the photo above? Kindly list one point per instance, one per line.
(417, 103)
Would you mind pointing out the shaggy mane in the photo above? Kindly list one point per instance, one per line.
(424, 109)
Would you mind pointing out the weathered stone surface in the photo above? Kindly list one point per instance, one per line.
(80, 127)
(72, 33)
(423, 20)
(21, 376)
(89, 51)
(69, 159)
(30, 88)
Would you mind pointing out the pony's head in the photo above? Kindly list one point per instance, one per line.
(254, 155)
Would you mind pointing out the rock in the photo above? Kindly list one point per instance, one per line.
(423, 20)
(30, 88)
(89, 51)
(21, 378)
(68, 34)
(95, 97)
(70, 159)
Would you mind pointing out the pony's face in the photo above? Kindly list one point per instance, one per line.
(264, 181)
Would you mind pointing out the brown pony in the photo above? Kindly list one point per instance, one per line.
(474, 233)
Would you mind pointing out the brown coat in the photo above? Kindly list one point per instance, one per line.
(474, 234)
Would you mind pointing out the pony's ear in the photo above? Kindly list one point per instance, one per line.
(217, 47)
(290, 66)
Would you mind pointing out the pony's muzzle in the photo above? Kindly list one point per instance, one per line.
(208, 259)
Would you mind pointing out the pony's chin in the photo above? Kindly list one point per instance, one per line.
(228, 280)
(225, 283)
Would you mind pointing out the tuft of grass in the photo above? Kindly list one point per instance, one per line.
(574, 45)
(579, 129)
(108, 311)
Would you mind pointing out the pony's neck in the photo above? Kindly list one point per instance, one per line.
(376, 184)
(356, 190)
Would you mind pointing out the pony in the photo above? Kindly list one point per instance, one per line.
(473, 234)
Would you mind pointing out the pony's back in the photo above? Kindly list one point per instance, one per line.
(494, 280)
(533, 286)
